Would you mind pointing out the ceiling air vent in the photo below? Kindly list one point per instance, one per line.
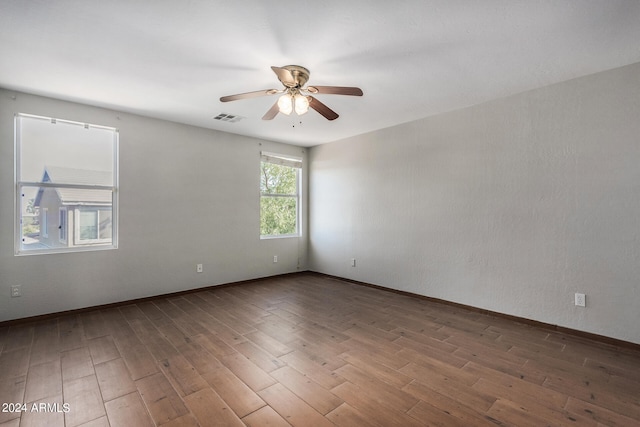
(224, 117)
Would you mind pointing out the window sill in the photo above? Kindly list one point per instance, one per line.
(283, 236)
(75, 249)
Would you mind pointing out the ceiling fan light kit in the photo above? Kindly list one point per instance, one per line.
(285, 104)
(302, 104)
(290, 102)
(294, 77)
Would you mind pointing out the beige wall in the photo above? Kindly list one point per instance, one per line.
(512, 206)
(187, 196)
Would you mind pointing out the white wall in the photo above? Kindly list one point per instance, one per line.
(187, 196)
(511, 206)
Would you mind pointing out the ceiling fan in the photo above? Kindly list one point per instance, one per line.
(294, 97)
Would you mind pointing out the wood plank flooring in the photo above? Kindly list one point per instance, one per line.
(308, 350)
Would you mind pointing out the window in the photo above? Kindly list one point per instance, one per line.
(44, 223)
(93, 226)
(62, 228)
(279, 195)
(71, 169)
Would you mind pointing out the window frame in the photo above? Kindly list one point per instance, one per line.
(78, 240)
(63, 219)
(21, 185)
(295, 163)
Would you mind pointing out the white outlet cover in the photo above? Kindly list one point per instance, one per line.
(580, 300)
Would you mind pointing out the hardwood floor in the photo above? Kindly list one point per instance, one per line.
(308, 350)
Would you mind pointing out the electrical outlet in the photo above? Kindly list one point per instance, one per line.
(581, 300)
(16, 291)
(353, 262)
(198, 268)
(275, 258)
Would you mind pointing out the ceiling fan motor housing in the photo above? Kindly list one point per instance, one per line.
(300, 76)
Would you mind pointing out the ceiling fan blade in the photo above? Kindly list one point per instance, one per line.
(273, 111)
(246, 95)
(327, 112)
(285, 76)
(336, 90)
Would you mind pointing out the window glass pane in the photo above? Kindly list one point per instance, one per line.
(278, 179)
(68, 216)
(104, 226)
(69, 150)
(278, 215)
(33, 220)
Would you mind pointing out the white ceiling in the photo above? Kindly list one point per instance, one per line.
(174, 59)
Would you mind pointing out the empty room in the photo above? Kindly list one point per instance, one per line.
(268, 213)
